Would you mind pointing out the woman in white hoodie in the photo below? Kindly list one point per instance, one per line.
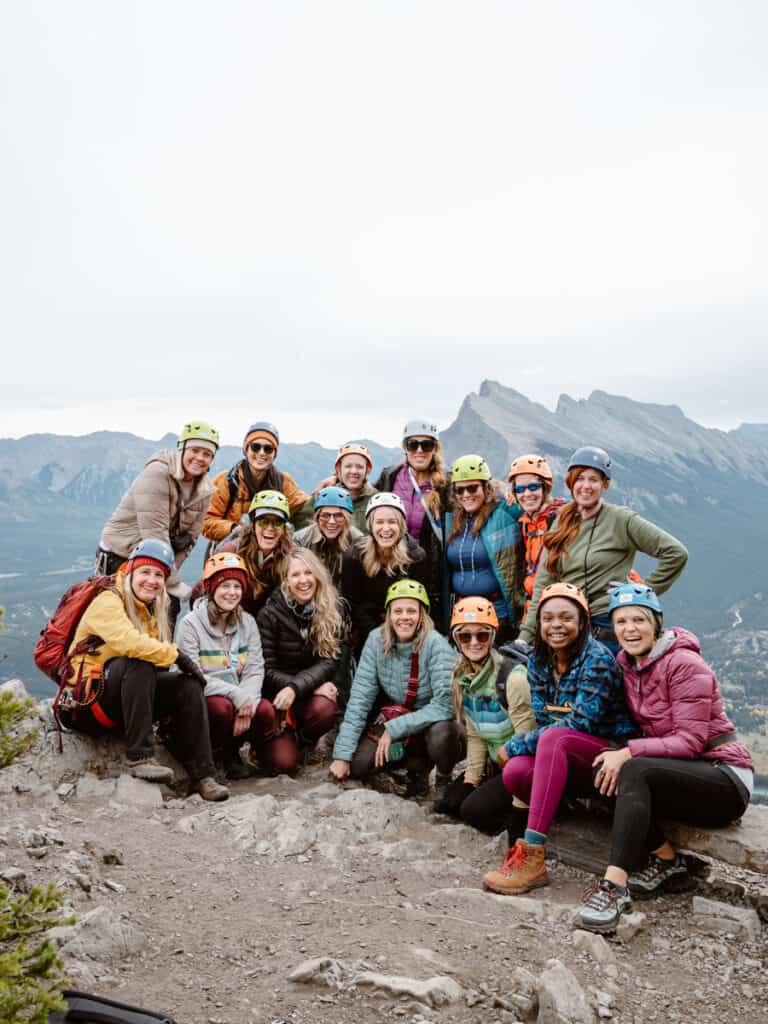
(224, 641)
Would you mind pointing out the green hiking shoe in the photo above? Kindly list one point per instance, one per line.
(604, 904)
(658, 875)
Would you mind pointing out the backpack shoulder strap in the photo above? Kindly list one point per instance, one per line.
(501, 681)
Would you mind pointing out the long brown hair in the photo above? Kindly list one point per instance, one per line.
(557, 542)
(459, 521)
(439, 479)
(261, 578)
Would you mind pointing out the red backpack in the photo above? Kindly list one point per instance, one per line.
(51, 652)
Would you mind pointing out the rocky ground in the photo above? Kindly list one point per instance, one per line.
(307, 902)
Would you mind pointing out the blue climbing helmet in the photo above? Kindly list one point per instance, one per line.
(590, 457)
(151, 550)
(334, 497)
(628, 594)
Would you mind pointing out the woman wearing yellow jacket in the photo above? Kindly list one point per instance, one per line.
(120, 658)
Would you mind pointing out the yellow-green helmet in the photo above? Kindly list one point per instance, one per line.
(470, 467)
(407, 588)
(197, 430)
(269, 503)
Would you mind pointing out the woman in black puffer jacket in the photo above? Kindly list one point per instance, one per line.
(301, 627)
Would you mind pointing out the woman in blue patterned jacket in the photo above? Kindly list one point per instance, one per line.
(577, 697)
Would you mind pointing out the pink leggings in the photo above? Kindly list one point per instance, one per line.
(563, 761)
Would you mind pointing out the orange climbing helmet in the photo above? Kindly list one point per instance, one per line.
(478, 611)
(569, 590)
(226, 565)
(535, 464)
(353, 448)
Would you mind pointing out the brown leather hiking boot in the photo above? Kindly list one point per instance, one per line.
(523, 870)
(210, 789)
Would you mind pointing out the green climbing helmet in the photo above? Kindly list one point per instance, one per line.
(197, 430)
(470, 467)
(407, 588)
(269, 503)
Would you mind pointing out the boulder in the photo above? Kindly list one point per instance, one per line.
(714, 918)
(438, 991)
(99, 935)
(595, 945)
(562, 1000)
(137, 792)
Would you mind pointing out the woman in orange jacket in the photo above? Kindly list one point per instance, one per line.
(531, 480)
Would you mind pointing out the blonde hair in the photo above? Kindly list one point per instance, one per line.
(459, 521)
(260, 580)
(398, 562)
(332, 551)
(438, 478)
(389, 637)
(157, 610)
(326, 626)
(464, 667)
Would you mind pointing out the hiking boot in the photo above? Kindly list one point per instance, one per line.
(523, 870)
(658, 875)
(417, 785)
(234, 769)
(148, 769)
(604, 903)
(442, 782)
(209, 789)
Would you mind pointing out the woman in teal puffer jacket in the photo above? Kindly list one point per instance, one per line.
(400, 707)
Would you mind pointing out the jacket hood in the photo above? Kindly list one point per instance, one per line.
(200, 614)
(676, 639)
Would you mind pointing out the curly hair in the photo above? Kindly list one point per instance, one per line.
(490, 501)
(262, 577)
(327, 622)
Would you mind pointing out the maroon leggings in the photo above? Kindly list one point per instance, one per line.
(221, 720)
(562, 763)
(314, 718)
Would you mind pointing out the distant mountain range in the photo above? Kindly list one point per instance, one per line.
(708, 487)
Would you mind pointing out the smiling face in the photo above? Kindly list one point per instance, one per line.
(228, 595)
(386, 527)
(474, 642)
(268, 530)
(301, 581)
(470, 494)
(404, 613)
(588, 490)
(352, 472)
(331, 522)
(530, 501)
(419, 460)
(147, 582)
(559, 622)
(260, 460)
(634, 631)
(195, 461)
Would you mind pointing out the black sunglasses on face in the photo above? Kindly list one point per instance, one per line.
(257, 446)
(425, 446)
(459, 489)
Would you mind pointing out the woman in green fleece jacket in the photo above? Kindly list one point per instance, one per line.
(593, 544)
(400, 709)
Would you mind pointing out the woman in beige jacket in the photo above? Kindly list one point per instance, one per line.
(168, 500)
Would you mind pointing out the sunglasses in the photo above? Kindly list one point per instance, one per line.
(466, 636)
(269, 522)
(330, 517)
(258, 446)
(425, 446)
(522, 488)
(459, 489)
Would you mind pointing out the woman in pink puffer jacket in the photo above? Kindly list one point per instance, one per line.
(687, 765)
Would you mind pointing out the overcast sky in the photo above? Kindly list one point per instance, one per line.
(338, 215)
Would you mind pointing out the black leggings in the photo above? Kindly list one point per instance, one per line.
(490, 809)
(695, 792)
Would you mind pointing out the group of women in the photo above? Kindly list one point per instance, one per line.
(434, 615)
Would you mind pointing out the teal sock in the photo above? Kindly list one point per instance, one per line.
(534, 838)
